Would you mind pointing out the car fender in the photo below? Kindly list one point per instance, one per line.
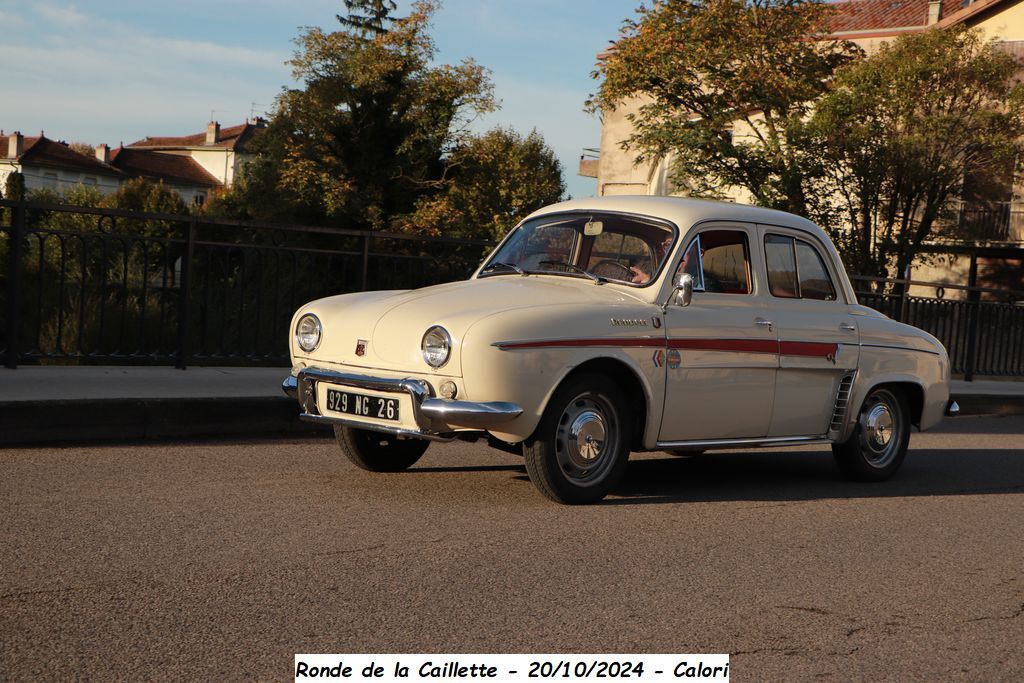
(522, 356)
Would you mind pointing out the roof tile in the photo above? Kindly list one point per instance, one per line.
(231, 137)
(171, 168)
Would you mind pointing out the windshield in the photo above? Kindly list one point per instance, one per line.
(599, 246)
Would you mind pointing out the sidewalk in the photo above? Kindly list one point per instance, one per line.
(71, 404)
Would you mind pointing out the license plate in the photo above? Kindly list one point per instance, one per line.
(362, 406)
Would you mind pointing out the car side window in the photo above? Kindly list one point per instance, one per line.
(814, 280)
(719, 261)
(795, 270)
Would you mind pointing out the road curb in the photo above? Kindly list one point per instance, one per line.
(989, 404)
(24, 423)
(80, 421)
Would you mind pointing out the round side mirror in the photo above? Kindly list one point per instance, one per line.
(683, 289)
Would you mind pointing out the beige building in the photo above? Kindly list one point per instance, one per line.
(221, 152)
(867, 23)
(192, 165)
(52, 165)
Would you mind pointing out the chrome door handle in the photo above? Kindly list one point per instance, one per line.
(848, 327)
(764, 323)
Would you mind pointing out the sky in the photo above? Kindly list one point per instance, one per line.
(112, 71)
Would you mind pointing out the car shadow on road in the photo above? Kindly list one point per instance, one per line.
(781, 475)
(469, 468)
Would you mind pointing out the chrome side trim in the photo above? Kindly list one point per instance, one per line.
(953, 408)
(730, 443)
(897, 348)
(468, 414)
(398, 431)
(290, 386)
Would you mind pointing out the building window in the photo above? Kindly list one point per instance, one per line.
(199, 199)
(89, 180)
(50, 180)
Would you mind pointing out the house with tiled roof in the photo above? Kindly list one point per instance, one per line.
(53, 165)
(221, 152)
(868, 23)
(183, 174)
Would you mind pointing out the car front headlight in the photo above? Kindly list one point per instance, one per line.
(437, 346)
(307, 332)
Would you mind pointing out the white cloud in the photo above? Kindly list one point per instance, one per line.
(94, 79)
(64, 16)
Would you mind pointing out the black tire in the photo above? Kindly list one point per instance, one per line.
(878, 444)
(580, 448)
(377, 451)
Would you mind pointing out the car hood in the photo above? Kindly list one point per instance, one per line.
(392, 323)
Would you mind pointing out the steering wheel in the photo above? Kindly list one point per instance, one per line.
(623, 270)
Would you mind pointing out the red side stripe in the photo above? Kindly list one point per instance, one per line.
(561, 343)
(786, 348)
(810, 349)
(738, 345)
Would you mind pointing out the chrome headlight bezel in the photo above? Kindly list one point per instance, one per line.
(316, 333)
(438, 338)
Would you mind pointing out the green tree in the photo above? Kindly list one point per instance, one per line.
(900, 132)
(83, 148)
(363, 137)
(14, 186)
(493, 181)
(725, 86)
(377, 15)
(139, 194)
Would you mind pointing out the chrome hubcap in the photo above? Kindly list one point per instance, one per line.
(882, 428)
(586, 438)
(878, 426)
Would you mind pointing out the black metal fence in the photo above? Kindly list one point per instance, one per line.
(982, 337)
(103, 286)
(106, 286)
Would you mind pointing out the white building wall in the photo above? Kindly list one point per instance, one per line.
(59, 180)
(218, 162)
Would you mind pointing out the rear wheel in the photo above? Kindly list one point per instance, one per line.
(878, 445)
(580, 448)
(379, 452)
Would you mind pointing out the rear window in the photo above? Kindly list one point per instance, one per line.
(796, 270)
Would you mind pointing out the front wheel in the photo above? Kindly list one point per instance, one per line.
(878, 445)
(379, 452)
(580, 448)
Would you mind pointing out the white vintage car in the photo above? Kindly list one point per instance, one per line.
(605, 326)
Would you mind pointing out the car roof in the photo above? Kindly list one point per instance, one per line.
(686, 211)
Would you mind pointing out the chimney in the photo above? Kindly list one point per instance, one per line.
(212, 133)
(934, 11)
(15, 145)
(103, 153)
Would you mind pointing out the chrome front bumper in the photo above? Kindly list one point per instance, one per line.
(436, 418)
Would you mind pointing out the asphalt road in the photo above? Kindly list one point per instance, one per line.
(223, 559)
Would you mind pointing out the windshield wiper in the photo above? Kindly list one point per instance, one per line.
(502, 264)
(576, 269)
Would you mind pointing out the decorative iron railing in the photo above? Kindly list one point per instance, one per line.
(106, 286)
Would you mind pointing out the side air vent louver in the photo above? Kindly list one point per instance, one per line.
(842, 403)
